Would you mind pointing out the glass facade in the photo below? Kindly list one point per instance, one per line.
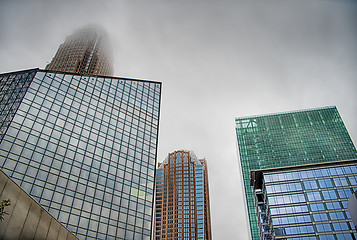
(85, 148)
(13, 87)
(182, 199)
(292, 138)
(306, 202)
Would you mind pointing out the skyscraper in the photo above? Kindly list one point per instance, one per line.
(182, 198)
(286, 139)
(306, 201)
(84, 147)
(86, 51)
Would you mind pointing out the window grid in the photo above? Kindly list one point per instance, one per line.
(180, 200)
(323, 212)
(293, 138)
(72, 147)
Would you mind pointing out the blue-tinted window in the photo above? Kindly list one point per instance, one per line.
(327, 237)
(340, 226)
(289, 210)
(345, 193)
(291, 220)
(314, 196)
(333, 205)
(340, 181)
(345, 236)
(325, 183)
(289, 187)
(299, 230)
(329, 194)
(325, 227)
(353, 180)
(337, 215)
(285, 199)
(319, 217)
(311, 184)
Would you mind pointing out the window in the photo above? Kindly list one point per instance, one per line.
(333, 205)
(326, 227)
(296, 230)
(314, 196)
(341, 181)
(337, 215)
(291, 220)
(287, 187)
(311, 184)
(340, 226)
(285, 199)
(345, 193)
(319, 217)
(329, 194)
(289, 210)
(325, 183)
(317, 207)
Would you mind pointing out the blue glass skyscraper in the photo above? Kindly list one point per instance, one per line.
(84, 147)
(306, 201)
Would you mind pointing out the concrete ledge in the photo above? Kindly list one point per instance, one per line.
(27, 219)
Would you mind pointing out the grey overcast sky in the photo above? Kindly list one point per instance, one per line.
(217, 60)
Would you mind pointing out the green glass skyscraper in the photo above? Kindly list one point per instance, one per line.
(287, 139)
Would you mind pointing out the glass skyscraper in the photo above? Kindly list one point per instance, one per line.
(84, 147)
(182, 198)
(286, 139)
(306, 201)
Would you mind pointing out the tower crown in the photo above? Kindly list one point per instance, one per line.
(86, 51)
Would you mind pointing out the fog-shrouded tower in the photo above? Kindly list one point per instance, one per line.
(182, 198)
(86, 51)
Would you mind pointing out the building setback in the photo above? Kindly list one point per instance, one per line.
(286, 139)
(306, 201)
(84, 147)
(86, 51)
(182, 198)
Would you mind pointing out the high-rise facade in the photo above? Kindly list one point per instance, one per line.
(286, 139)
(182, 198)
(86, 51)
(84, 147)
(306, 201)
